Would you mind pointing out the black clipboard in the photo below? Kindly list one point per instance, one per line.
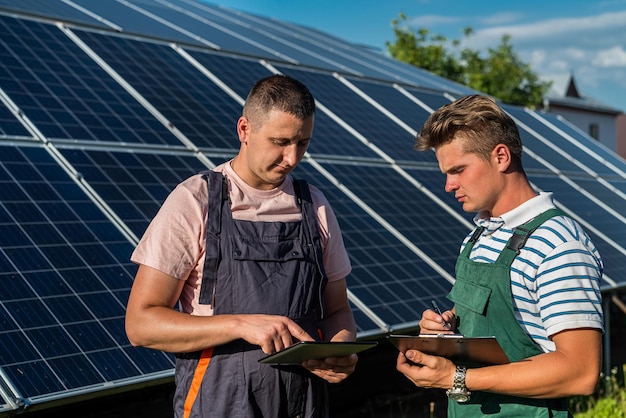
(474, 350)
(311, 350)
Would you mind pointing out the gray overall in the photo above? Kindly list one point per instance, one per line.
(270, 268)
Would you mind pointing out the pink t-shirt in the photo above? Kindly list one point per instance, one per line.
(174, 242)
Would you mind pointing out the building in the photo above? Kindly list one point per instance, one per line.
(597, 120)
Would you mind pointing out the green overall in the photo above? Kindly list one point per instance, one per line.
(483, 301)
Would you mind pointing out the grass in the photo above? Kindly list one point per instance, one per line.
(609, 400)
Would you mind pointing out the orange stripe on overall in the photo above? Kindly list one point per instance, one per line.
(198, 375)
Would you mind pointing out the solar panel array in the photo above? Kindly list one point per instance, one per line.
(105, 106)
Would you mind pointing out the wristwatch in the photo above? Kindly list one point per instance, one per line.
(459, 392)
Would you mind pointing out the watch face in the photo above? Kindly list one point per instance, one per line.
(458, 395)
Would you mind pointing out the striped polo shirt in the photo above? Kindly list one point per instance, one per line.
(555, 280)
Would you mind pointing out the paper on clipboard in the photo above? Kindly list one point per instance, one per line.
(310, 350)
(481, 350)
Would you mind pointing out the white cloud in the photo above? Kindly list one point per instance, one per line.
(591, 48)
(607, 29)
(613, 57)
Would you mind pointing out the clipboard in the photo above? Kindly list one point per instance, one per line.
(475, 350)
(312, 350)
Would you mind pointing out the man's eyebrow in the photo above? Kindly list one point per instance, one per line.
(453, 168)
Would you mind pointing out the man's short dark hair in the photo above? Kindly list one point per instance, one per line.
(278, 92)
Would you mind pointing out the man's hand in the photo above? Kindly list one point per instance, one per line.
(271, 332)
(434, 323)
(426, 371)
(332, 369)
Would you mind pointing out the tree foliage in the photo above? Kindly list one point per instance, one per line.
(501, 73)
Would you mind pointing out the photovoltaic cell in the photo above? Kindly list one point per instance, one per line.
(328, 137)
(50, 8)
(434, 181)
(9, 125)
(279, 44)
(410, 211)
(397, 103)
(619, 184)
(366, 62)
(310, 47)
(133, 21)
(66, 94)
(64, 272)
(195, 105)
(362, 116)
(390, 279)
(561, 154)
(364, 323)
(243, 41)
(610, 158)
(601, 220)
(134, 184)
(433, 100)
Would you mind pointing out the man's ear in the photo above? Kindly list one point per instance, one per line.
(243, 129)
(501, 155)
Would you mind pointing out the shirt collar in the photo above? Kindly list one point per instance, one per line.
(518, 216)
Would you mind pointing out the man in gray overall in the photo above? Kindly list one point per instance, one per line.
(528, 274)
(257, 262)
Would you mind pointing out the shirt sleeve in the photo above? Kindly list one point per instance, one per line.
(568, 288)
(335, 257)
(173, 242)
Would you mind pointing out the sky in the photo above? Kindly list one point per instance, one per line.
(558, 38)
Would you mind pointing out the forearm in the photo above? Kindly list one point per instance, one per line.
(165, 329)
(549, 375)
(338, 323)
(339, 326)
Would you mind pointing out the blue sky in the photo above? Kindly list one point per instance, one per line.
(558, 38)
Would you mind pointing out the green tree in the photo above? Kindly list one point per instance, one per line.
(501, 73)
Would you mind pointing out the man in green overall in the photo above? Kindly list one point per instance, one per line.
(528, 274)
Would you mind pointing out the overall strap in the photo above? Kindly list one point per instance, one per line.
(472, 240)
(309, 222)
(217, 198)
(522, 232)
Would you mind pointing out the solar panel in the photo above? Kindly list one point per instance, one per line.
(9, 125)
(600, 221)
(373, 125)
(389, 277)
(66, 94)
(55, 9)
(612, 163)
(125, 99)
(133, 183)
(552, 148)
(190, 101)
(64, 282)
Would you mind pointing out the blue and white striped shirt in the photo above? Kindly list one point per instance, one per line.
(555, 279)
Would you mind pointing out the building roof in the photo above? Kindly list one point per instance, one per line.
(573, 100)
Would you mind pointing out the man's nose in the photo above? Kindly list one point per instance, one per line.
(290, 154)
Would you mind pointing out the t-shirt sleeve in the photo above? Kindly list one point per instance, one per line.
(335, 257)
(569, 288)
(173, 242)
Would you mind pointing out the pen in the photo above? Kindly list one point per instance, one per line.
(438, 311)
